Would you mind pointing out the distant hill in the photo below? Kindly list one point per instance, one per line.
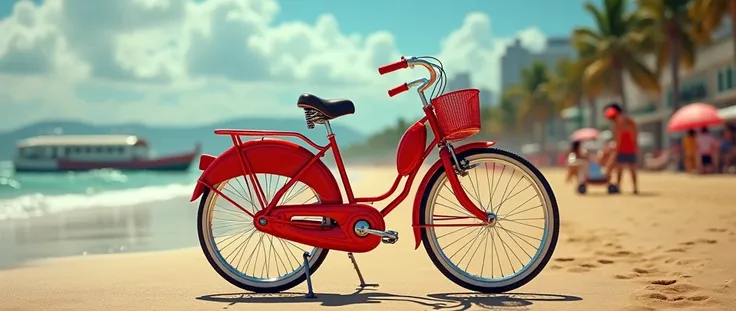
(165, 140)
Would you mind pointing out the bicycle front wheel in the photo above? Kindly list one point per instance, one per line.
(502, 254)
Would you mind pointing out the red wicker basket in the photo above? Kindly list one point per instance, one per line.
(458, 113)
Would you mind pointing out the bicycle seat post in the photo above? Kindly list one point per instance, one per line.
(328, 127)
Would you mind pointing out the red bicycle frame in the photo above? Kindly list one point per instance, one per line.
(267, 207)
(303, 165)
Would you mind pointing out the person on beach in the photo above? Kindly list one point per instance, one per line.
(625, 135)
(708, 148)
(728, 148)
(689, 151)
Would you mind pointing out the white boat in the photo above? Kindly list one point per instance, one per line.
(51, 153)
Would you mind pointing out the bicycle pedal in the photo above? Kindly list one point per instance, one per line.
(392, 239)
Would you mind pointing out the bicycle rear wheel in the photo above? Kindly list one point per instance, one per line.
(242, 255)
(500, 255)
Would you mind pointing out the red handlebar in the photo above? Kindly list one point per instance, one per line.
(393, 67)
(398, 90)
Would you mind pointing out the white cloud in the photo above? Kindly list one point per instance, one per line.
(204, 61)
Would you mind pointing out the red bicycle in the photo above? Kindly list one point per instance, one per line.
(267, 201)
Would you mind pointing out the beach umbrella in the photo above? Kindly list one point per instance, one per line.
(583, 134)
(694, 116)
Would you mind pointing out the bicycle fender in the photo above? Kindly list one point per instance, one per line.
(274, 156)
(425, 183)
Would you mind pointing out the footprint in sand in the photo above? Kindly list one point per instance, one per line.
(671, 290)
(689, 262)
(613, 245)
(643, 271)
(588, 265)
(615, 254)
(663, 282)
(718, 230)
(649, 265)
(700, 241)
(605, 261)
(679, 275)
(578, 270)
(676, 250)
(625, 276)
(658, 258)
(564, 259)
(727, 284)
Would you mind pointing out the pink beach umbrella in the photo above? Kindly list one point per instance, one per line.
(694, 116)
(584, 134)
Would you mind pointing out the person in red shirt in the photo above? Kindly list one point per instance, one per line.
(625, 135)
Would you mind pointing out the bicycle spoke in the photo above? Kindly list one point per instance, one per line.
(485, 231)
(250, 195)
(505, 189)
(500, 267)
(510, 197)
(489, 181)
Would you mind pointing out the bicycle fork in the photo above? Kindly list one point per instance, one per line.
(453, 168)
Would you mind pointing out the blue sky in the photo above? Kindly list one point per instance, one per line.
(407, 17)
(301, 46)
(404, 18)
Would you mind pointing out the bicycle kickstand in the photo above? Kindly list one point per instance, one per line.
(360, 275)
(310, 293)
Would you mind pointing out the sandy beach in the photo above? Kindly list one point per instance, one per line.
(670, 248)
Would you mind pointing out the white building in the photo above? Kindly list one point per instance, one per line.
(518, 57)
(460, 81)
(557, 49)
(512, 62)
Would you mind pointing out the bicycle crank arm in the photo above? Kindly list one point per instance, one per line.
(362, 228)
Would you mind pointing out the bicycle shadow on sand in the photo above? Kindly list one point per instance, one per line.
(439, 301)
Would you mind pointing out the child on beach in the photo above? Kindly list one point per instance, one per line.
(582, 167)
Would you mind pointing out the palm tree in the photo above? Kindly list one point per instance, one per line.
(566, 85)
(672, 30)
(503, 117)
(618, 41)
(533, 97)
(586, 55)
(710, 14)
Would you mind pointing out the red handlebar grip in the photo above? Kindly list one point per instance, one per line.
(393, 67)
(398, 90)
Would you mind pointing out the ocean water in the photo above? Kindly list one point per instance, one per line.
(35, 194)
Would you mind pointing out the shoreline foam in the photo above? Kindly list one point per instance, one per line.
(38, 204)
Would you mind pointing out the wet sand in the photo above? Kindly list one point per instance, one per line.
(670, 248)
